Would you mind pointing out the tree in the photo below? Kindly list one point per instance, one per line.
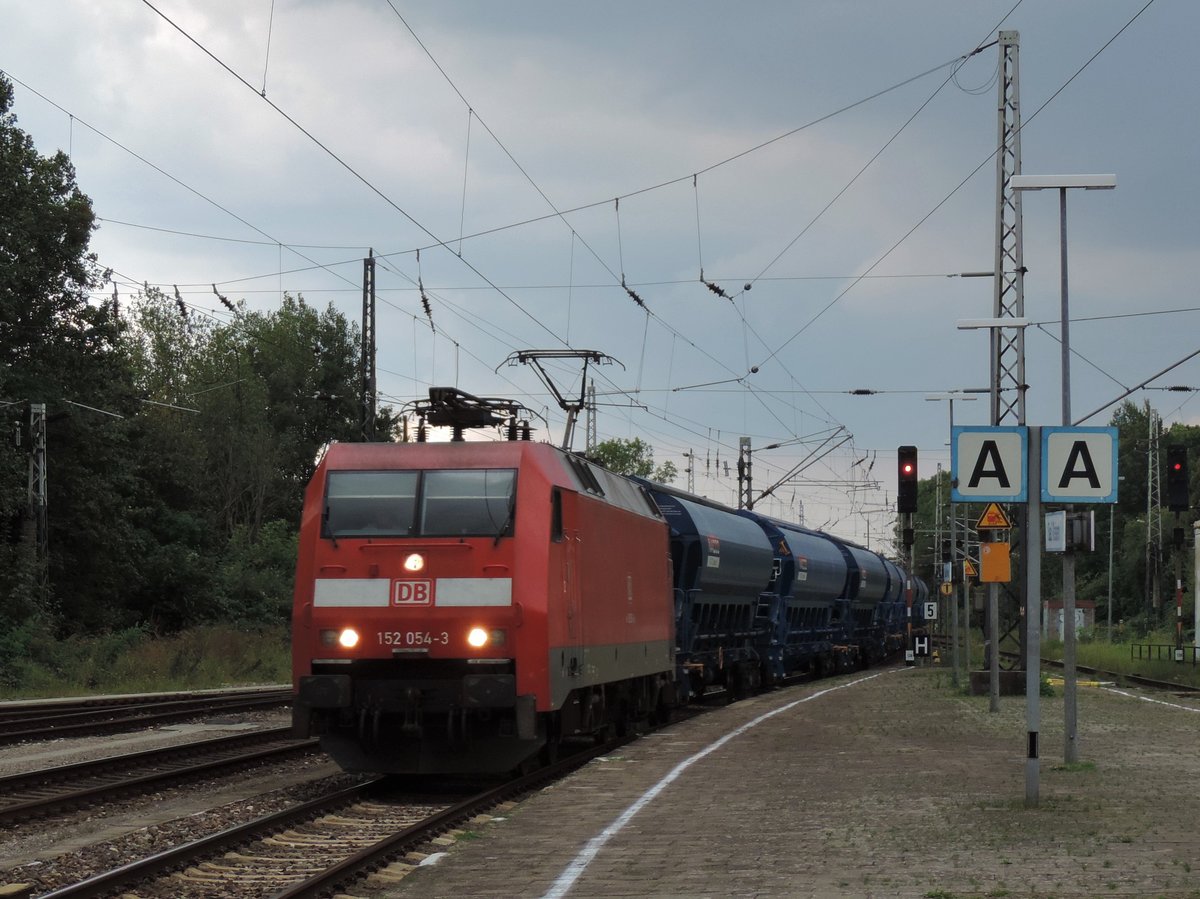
(57, 349)
(179, 444)
(635, 457)
(254, 401)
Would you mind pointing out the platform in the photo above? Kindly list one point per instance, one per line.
(883, 783)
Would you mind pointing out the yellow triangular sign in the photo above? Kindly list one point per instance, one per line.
(969, 568)
(993, 517)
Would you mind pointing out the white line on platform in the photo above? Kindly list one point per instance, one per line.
(1174, 705)
(574, 870)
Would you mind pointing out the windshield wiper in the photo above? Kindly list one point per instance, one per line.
(512, 508)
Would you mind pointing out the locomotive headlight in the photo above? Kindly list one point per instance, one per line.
(479, 637)
(348, 638)
(415, 562)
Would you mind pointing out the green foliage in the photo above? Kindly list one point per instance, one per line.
(1075, 767)
(18, 650)
(178, 444)
(58, 349)
(633, 457)
(132, 660)
(254, 586)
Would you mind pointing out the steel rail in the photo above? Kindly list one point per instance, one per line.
(51, 778)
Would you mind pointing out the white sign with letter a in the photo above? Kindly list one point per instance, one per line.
(989, 464)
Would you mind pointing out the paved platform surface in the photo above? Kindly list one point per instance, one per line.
(883, 783)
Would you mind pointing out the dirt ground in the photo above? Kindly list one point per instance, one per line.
(902, 787)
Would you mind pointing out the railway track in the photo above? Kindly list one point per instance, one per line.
(49, 791)
(312, 848)
(50, 720)
(1101, 674)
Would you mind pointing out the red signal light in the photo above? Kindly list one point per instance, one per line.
(906, 470)
(1178, 487)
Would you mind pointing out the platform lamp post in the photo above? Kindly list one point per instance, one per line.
(949, 397)
(1063, 183)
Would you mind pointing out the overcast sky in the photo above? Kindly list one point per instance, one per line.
(537, 154)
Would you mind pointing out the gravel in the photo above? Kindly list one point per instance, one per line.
(61, 850)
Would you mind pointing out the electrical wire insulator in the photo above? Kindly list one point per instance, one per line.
(425, 304)
(717, 289)
(634, 296)
(180, 304)
(224, 300)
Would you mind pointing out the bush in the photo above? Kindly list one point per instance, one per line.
(254, 585)
(132, 661)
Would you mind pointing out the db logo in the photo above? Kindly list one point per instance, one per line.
(412, 593)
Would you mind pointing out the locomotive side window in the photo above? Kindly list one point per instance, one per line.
(370, 503)
(467, 503)
(556, 516)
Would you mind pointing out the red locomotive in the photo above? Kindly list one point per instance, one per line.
(464, 606)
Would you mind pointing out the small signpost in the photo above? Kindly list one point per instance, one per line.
(993, 518)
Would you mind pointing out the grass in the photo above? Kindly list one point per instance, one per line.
(135, 662)
(1116, 657)
(1092, 650)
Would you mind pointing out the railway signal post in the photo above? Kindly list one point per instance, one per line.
(1177, 501)
(906, 505)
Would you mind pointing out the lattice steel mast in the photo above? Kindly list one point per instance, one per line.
(37, 489)
(367, 360)
(1008, 344)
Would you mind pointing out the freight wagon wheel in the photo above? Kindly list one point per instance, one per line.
(735, 685)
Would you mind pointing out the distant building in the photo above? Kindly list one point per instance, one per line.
(1052, 617)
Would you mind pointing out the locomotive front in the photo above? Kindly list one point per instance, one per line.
(404, 632)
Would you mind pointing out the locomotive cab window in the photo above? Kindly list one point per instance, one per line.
(468, 503)
(370, 503)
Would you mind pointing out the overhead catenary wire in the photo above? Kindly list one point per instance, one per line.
(1024, 124)
(267, 55)
(633, 295)
(272, 240)
(213, 286)
(349, 168)
(674, 339)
